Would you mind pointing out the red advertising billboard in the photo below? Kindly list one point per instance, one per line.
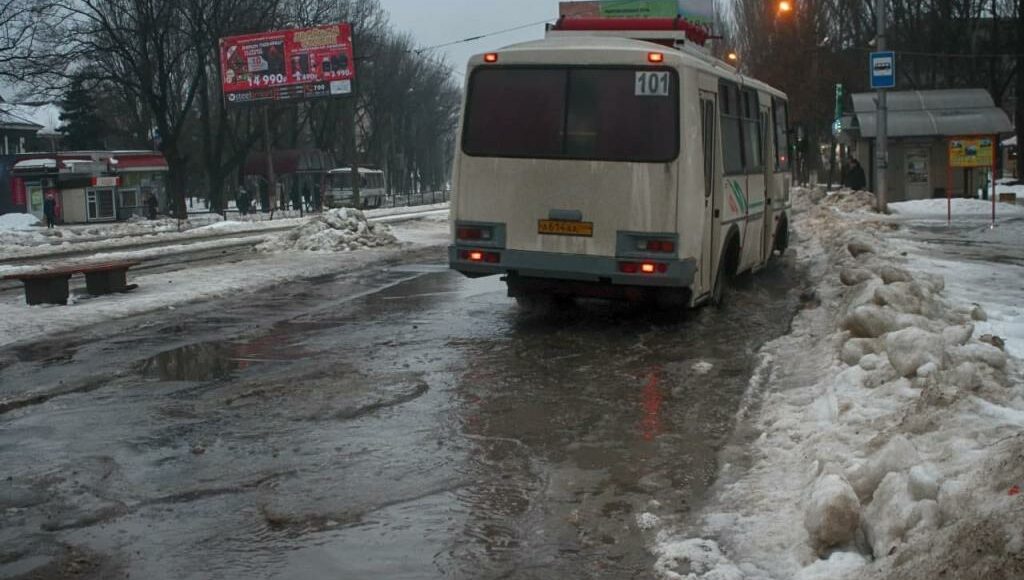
(287, 65)
(18, 191)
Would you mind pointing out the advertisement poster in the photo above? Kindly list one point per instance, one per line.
(287, 65)
(35, 195)
(696, 11)
(971, 152)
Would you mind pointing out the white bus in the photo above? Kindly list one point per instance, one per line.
(604, 164)
(372, 190)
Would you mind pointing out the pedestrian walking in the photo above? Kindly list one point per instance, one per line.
(50, 210)
(855, 178)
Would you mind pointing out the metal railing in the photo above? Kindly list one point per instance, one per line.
(421, 198)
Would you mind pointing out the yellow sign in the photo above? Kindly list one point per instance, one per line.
(971, 152)
(565, 228)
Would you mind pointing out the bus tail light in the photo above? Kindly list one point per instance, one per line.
(491, 57)
(659, 246)
(480, 256)
(474, 233)
(655, 57)
(643, 268)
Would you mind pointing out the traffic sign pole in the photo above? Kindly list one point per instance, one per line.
(882, 164)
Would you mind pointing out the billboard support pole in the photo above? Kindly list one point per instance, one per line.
(353, 144)
(268, 148)
(353, 102)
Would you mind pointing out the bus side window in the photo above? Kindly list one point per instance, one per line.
(732, 128)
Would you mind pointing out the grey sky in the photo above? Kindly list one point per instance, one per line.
(433, 22)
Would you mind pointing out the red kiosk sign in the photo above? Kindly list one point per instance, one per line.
(287, 65)
(18, 196)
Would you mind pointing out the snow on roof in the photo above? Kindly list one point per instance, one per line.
(361, 170)
(1011, 142)
(46, 116)
(44, 163)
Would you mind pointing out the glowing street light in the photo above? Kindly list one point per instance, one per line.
(785, 7)
(732, 56)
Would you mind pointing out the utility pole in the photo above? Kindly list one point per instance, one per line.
(1020, 89)
(353, 137)
(882, 146)
(269, 150)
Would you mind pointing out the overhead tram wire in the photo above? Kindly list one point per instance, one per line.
(479, 36)
(497, 32)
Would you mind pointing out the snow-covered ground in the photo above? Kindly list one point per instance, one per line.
(1011, 186)
(18, 222)
(883, 437)
(938, 209)
(163, 291)
(18, 240)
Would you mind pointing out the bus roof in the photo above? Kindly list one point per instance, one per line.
(581, 47)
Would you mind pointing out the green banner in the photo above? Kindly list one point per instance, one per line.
(639, 9)
(619, 9)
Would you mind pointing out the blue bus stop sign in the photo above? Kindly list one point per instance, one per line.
(883, 70)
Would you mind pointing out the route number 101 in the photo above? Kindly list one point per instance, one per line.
(652, 84)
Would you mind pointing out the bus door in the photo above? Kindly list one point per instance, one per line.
(712, 198)
(771, 197)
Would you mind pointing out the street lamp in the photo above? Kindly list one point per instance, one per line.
(732, 57)
(784, 7)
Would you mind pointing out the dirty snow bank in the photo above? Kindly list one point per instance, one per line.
(890, 437)
(337, 230)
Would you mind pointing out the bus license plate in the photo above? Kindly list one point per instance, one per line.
(565, 228)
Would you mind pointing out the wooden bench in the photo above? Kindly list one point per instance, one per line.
(51, 286)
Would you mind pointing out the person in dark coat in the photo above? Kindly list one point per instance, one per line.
(50, 210)
(151, 206)
(855, 178)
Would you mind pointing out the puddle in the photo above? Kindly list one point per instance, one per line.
(206, 361)
(420, 268)
(49, 352)
(195, 362)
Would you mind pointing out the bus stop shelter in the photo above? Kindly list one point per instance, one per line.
(921, 127)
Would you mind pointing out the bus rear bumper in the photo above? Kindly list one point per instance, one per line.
(669, 272)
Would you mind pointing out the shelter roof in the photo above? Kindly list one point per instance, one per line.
(939, 113)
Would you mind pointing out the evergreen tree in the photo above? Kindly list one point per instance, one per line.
(81, 124)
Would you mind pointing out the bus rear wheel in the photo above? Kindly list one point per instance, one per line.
(726, 272)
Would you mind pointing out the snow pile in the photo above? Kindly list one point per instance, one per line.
(847, 200)
(891, 441)
(337, 230)
(18, 221)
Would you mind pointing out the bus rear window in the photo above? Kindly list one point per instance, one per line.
(605, 114)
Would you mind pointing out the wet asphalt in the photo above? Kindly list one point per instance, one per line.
(402, 422)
